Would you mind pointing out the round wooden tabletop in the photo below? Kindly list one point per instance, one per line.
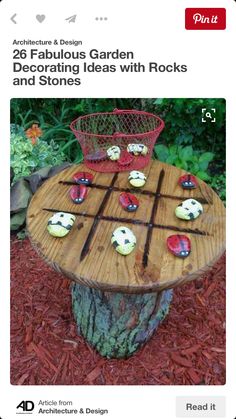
(86, 255)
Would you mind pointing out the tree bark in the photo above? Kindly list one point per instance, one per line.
(117, 324)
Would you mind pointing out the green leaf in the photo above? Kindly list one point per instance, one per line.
(206, 157)
(158, 102)
(186, 153)
(194, 168)
(203, 175)
(178, 163)
(68, 144)
(184, 165)
(161, 152)
(173, 149)
(171, 159)
(203, 166)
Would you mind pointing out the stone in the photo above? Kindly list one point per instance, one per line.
(179, 245)
(78, 193)
(96, 156)
(128, 201)
(84, 178)
(60, 224)
(125, 158)
(137, 149)
(189, 209)
(137, 179)
(188, 182)
(113, 153)
(123, 240)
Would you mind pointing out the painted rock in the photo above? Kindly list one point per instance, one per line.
(125, 158)
(179, 245)
(188, 182)
(137, 149)
(113, 152)
(137, 179)
(97, 156)
(78, 193)
(128, 201)
(84, 178)
(60, 224)
(123, 240)
(189, 209)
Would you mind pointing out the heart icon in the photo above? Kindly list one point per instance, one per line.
(40, 18)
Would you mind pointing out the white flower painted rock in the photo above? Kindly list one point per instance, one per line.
(113, 153)
(189, 209)
(123, 240)
(137, 149)
(60, 224)
(137, 179)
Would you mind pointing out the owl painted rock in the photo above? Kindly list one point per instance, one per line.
(60, 224)
(189, 209)
(123, 240)
(113, 152)
(137, 179)
(137, 149)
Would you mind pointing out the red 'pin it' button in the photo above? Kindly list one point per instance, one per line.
(205, 18)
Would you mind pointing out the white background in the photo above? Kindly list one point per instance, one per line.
(155, 31)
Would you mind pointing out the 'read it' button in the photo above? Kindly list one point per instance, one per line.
(205, 18)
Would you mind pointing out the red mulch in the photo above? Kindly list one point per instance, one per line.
(188, 348)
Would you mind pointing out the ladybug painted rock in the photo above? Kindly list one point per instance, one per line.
(78, 193)
(60, 224)
(123, 240)
(84, 178)
(125, 158)
(179, 245)
(128, 201)
(188, 182)
(189, 209)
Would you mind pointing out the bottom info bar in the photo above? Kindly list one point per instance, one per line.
(205, 18)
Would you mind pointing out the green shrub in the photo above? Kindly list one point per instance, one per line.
(27, 158)
(218, 183)
(185, 158)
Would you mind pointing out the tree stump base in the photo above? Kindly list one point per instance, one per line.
(118, 324)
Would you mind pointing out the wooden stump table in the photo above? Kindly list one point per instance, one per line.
(118, 301)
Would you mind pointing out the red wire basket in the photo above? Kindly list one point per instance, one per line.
(99, 131)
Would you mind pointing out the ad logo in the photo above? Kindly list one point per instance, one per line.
(27, 406)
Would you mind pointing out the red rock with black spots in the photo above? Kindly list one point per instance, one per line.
(179, 245)
(84, 178)
(188, 182)
(128, 201)
(78, 193)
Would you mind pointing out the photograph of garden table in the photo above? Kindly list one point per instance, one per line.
(118, 301)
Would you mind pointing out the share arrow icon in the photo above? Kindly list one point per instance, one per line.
(71, 19)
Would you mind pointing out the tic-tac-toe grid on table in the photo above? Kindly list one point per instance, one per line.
(86, 254)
